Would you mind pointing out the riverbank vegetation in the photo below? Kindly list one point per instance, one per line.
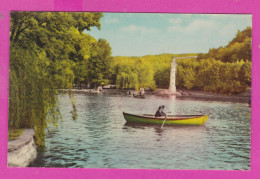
(50, 51)
(151, 71)
(14, 134)
(225, 70)
(214, 76)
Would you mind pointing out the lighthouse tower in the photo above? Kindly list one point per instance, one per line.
(172, 87)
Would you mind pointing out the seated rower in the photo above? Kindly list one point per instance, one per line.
(160, 112)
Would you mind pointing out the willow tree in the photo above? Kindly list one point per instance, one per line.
(134, 73)
(41, 62)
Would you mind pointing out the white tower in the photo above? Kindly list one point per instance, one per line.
(172, 87)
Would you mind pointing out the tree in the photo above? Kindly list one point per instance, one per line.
(42, 51)
(245, 74)
(237, 49)
(99, 63)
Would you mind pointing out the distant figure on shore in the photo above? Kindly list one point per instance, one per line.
(160, 112)
(139, 94)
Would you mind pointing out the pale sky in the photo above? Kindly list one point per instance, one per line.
(139, 34)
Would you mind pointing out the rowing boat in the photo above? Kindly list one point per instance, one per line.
(170, 120)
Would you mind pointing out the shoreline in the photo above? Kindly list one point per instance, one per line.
(181, 94)
(22, 151)
(208, 96)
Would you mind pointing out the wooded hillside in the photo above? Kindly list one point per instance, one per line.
(222, 70)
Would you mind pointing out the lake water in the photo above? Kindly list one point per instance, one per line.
(100, 137)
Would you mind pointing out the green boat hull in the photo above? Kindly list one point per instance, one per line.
(170, 120)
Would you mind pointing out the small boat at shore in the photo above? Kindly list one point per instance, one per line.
(170, 120)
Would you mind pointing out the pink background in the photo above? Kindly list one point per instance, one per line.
(173, 6)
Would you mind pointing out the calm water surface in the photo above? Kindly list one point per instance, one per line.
(100, 137)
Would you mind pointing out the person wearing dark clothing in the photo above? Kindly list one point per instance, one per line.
(160, 112)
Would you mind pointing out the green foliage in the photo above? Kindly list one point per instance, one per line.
(237, 49)
(186, 73)
(92, 59)
(74, 111)
(241, 36)
(150, 71)
(32, 95)
(245, 74)
(99, 63)
(204, 74)
(214, 76)
(229, 67)
(14, 134)
(162, 76)
(45, 50)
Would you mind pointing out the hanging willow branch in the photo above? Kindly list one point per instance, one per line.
(73, 102)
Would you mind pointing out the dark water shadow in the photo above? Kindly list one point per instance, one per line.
(141, 125)
(159, 129)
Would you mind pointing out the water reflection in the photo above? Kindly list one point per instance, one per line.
(160, 129)
(100, 137)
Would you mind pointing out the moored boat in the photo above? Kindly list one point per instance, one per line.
(170, 120)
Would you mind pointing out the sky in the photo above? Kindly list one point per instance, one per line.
(140, 34)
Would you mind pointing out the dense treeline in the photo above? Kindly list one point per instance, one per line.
(224, 70)
(214, 76)
(152, 71)
(50, 51)
(133, 73)
(237, 49)
(229, 67)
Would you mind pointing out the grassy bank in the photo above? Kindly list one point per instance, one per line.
(14, 133)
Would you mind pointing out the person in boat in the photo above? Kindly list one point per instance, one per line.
(163, 113)
(160, 112)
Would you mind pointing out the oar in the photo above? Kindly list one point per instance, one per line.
(164, 121)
